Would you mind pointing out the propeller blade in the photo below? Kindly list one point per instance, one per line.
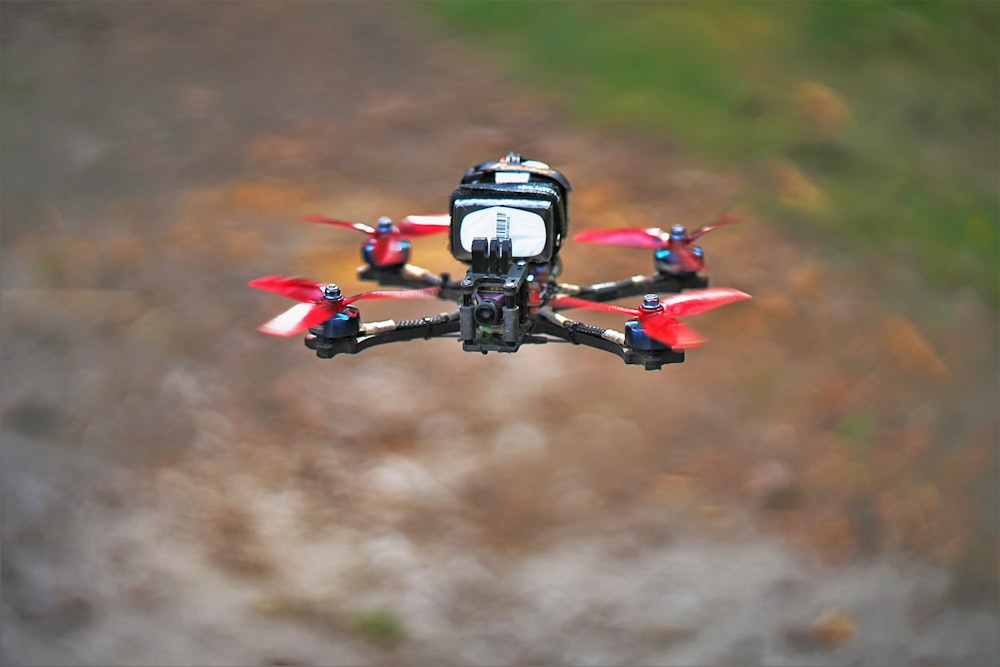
(686, 261)
(361, 227)
(573, 302)
(725, 220)
(636, 237)
(387, 251)
(297, 319)
(422, 225)
(300, 289)
(686, 336)
(696, 302)
(670, 331)
(662, 325)
(426, 293)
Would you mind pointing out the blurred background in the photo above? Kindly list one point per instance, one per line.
(816, 486)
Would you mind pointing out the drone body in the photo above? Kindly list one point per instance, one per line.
(508, 221)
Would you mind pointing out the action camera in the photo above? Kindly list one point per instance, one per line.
(508, 221)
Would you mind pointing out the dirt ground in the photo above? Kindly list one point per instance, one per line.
(816, 486)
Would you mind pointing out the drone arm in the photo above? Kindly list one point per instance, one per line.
(634, 286)
(608, 340)
(413, 277)
(383, 332)
(425, 327)
(571, 330)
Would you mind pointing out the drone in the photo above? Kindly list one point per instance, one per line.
(508, 220)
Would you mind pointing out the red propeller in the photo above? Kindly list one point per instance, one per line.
(658, 318)
(675, 246)
(319, 302)
(388, 238)
(648, 237)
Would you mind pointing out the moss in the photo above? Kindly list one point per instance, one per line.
(379, 626)
(892, 107)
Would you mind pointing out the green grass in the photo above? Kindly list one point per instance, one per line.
(909, 174)
(379, 626)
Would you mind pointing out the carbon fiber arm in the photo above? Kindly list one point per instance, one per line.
(413, 277)
(609, 340)
(634, 286)
(385, 331)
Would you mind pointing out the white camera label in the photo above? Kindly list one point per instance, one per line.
(512, 177)
(525, 229)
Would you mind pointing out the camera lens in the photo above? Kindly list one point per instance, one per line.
(487, 313)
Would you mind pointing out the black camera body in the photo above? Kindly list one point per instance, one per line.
(508, 221)
(522, 200)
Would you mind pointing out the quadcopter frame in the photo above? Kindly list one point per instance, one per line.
(544, 325)
(508, 221)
